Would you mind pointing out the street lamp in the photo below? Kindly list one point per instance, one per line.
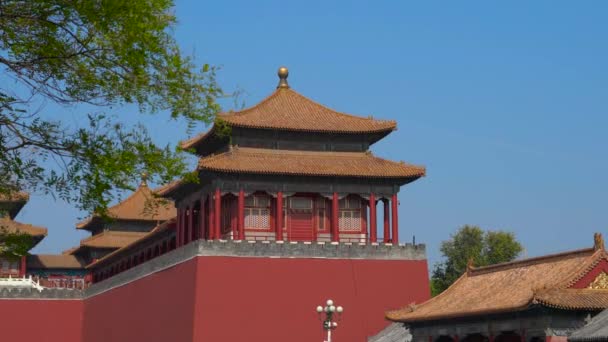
(329, 315)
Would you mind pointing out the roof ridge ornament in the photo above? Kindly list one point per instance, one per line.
(144, 179)
(283, 74)
(470, 265)
(598, 242)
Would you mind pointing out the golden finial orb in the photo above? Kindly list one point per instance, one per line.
(283, 74)
(144, 178)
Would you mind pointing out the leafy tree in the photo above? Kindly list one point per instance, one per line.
(105, 54)
(472, 244)
(14, 244)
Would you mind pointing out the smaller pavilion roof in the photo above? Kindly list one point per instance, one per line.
(110, 239)
(308, 163)
(13, 202)
(37, 233)
(54, 261)
(596, 330)
(515, 286)
(169, 224)
(70, 250)
(142, 205)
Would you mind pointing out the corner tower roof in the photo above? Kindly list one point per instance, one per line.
(309, 163)
(287, 110)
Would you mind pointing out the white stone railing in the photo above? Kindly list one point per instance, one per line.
(62, 282)
(24, 282)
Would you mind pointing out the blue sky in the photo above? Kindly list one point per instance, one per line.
(504, 103)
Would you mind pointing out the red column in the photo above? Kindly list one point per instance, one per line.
(22, 267)
(182, 230)
(455, 338)
(218, 213)
(372, 218)
(387, 215)
(201, 219)
(279, 221)
(178, 228)
(335, 207)
(241, 215)
(190, 223)
(395, 219)
(211, 226)
(177, 222)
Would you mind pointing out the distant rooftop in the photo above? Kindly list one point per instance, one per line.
(141, 205)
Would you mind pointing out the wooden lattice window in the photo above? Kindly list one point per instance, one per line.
(349, 217)
(257, 212)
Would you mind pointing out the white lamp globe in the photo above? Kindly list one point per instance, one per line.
(339, 309)
(332, 309)
(319, 309)
(330, 302)
(334, 324)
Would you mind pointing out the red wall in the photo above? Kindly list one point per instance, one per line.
(41, 320)
(227, 299)
(263, 299)
(159, 307)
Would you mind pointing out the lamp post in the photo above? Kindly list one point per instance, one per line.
(329, 315)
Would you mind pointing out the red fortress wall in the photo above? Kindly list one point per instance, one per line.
(246, 299)
(207, 291)
(41, 320)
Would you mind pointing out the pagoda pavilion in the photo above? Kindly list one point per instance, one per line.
(539, 299)
(126, 222)
(290, 169)
(10, 205)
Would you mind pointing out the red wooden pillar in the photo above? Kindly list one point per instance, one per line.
(455, 338)
(395, 219)
(387, 215)
(241, 215)
(184, 226)
(177, 223)
(190, 214)
(372, 218)
(178, 228)
(491, 338)
(211, 226)
(201, 219)
(22, 267)
(335, 207)
(279, 220)
(218, 213)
